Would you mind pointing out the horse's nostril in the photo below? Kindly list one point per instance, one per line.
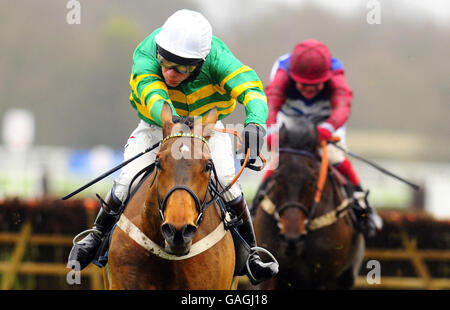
(181, 236)
(188, 231)
(168, 231)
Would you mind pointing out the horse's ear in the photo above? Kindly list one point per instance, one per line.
(166, 118)
(208, 123)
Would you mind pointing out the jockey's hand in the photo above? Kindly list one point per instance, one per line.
(324, 134)
(253, 135)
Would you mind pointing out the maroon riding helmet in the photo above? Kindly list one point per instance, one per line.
(310, 62)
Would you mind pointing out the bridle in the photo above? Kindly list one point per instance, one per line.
(309, 213)
(311, 223)
(294, 204)
(291, 204)
(216, 190)
(201, 205)
(214, 187)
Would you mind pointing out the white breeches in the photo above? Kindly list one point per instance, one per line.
(146, 135)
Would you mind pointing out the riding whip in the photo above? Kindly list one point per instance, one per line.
(376, 166)
(104, 175)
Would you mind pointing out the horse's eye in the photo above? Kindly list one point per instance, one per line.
(158, 165)
(208, 166)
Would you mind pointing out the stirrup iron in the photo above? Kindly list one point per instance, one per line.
(86, 232)
(257, 249)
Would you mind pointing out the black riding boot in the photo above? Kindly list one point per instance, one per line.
(260, 271)
(370, 222)
(84, 251)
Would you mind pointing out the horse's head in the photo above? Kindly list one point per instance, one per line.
(298, 133)
(292, 219)
(184, 165)
(296, 180)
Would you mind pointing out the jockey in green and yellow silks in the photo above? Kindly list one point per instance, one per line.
(183, 64)
(220, 80)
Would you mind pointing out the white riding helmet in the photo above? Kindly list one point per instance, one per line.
(186, 34)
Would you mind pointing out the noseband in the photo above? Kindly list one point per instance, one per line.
(292, 204)
(201, 205)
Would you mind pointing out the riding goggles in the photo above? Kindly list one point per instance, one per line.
(171, 65)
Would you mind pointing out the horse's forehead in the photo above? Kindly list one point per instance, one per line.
(189, 148)
(194, 149)
(185, 149)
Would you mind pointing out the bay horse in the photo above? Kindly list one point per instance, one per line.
(316, 243)
(168, 237)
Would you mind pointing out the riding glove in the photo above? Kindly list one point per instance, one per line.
(324, 134)
(253, 136)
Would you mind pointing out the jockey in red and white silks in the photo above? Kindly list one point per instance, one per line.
(322, 93)
(310, 83)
